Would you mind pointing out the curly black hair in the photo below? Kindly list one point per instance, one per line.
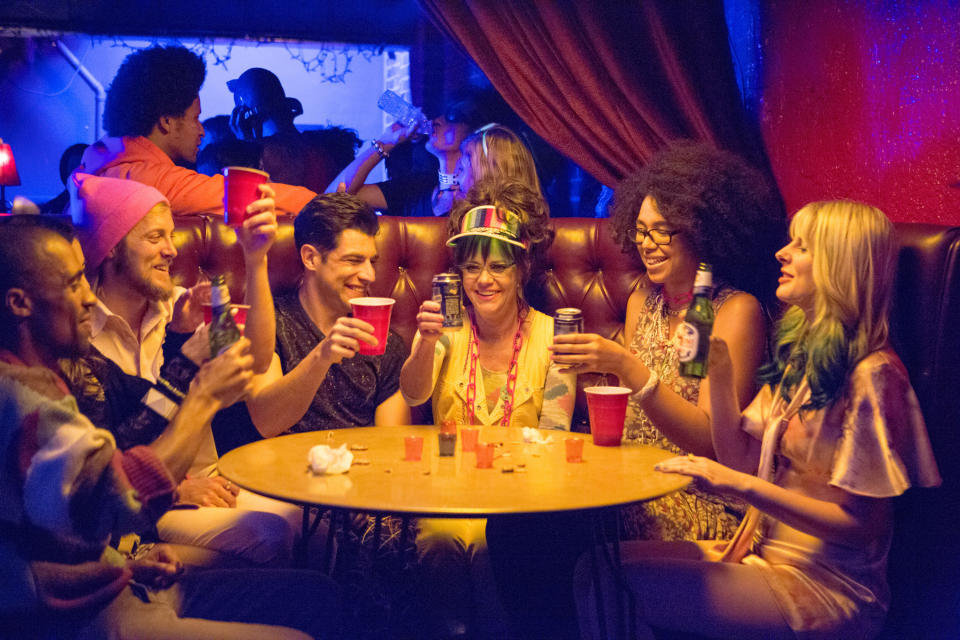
(523, 200)
(152, 83)
(730, 213)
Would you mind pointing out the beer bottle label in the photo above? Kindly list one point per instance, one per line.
(686, 340)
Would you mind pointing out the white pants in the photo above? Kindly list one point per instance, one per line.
(258, 530)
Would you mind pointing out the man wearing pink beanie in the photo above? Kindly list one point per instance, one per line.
(106, 210)
(126, 229)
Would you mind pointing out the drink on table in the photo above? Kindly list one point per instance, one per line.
(693, 335)
(446, 293)
(223, 329)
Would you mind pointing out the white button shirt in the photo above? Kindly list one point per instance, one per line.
(140, 352)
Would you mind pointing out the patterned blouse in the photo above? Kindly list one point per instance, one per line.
(683, 515)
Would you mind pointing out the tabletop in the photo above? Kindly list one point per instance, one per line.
(525, 478)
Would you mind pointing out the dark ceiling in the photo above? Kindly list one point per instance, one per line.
(359, 21)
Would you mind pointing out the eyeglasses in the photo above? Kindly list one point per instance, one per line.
(495, 269)
(659, 237)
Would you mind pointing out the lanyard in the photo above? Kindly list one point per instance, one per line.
(474, 355)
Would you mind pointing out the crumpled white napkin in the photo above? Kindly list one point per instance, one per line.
(324, 459)
(535, 436)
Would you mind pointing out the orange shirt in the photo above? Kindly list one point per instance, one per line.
(189, 192)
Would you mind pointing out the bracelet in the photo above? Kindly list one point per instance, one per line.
(379, 147)
(172, 389)
(448, 181)
(648, 388)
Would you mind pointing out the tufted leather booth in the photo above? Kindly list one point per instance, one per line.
(586, 269)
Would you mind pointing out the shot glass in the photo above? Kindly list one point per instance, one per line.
(413, 448)
(485, 455)
(468, 439)
(574, 448)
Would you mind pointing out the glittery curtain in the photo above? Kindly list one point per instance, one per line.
(862, 100)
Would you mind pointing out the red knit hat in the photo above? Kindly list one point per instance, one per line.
(104, 210)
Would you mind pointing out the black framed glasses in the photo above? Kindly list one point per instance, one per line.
(659, 237)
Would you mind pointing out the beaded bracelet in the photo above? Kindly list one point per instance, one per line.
(379, 147)
(448, 181)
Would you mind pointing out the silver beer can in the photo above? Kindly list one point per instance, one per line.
(446, 293)
(567, 320)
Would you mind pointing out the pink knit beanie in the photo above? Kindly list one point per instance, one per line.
(104, 210)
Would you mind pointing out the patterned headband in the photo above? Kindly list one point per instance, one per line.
(484, 129)
(492, 222)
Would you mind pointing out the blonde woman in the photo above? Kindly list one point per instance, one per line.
(834, 434)
(494, 151)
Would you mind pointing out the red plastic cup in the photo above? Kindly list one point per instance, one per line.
(485, 455)
(239, 316)
(607, 407)
(574, 448)
(376, 311)
(468, 439)
(240, 188)
(413, 447)
(448, 426)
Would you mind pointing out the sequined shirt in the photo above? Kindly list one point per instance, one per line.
(352, 389)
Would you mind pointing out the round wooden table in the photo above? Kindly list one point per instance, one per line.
(525, 478)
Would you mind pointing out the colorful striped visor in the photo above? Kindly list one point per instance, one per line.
(492, 222)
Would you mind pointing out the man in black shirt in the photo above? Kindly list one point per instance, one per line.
(317, 380)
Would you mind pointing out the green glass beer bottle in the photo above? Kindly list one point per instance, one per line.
(223, 330)
(693, 335)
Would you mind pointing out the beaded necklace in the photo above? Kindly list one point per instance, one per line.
(675, 305)
(680, 300)
(474, 355)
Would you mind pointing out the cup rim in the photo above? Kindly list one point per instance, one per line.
(246, 170)
(368, 301)
(602, 390)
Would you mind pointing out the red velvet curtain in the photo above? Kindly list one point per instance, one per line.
(608, 83)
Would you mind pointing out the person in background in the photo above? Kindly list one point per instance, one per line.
(422, 193)
(689, 204)
(68, 489)
(263, 115)
(316, 379)
(152, 119)
(834, 434)
(499, 233)
(494, 151)
(261, 107)
(69, 160)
